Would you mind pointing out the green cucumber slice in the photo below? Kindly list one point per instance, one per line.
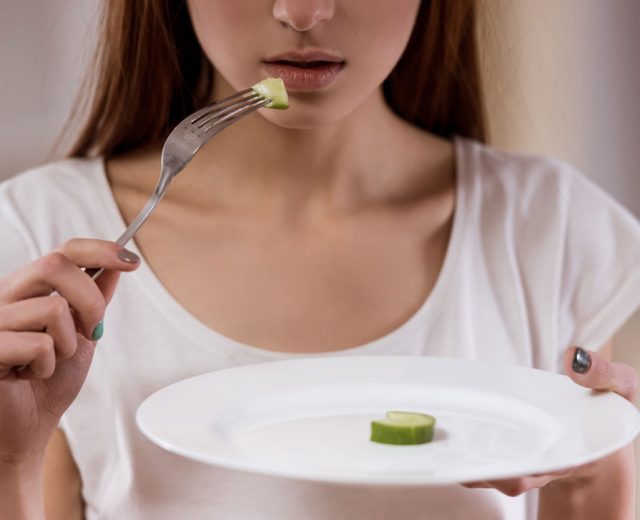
(403, 428)
(273, 90)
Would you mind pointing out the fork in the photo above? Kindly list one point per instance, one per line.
(183, 143)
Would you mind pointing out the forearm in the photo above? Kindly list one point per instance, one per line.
(605, 489)
(21, 493)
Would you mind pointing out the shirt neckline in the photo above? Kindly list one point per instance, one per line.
(199, 333)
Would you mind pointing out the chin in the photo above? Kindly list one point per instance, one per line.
(312, 112)
(298, 117)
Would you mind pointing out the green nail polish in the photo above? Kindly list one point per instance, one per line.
(98, 331)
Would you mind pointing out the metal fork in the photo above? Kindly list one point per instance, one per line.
(183, 143)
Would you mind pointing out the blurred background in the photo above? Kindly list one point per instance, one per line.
(562, 79)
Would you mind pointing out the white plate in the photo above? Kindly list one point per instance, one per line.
(310, 419)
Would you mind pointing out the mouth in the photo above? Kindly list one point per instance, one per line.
(303, 64)
(305, 71)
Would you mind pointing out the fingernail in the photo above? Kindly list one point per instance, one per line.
(128, 256)
(581, 361)
(98, 331)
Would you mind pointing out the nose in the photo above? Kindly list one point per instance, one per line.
(303, 15)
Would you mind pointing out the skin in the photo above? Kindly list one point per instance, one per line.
(44, 334)
(333, 200)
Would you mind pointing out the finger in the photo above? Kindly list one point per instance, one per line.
(114, 260)
(107, 283)
(592, 370)
(59, 272)
(515, 486)
(55, 271)
(34, 279)
(477, 485)
(555, 474)
(92, 253)
(48, 314)
(34, 350)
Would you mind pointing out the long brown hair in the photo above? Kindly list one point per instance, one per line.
(150, 72)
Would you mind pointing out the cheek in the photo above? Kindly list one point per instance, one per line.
(210, 17)
(387, 27)
(375, 40)
(221, 25)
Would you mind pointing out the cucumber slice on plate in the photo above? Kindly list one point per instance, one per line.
(273, 90)
(403, 428)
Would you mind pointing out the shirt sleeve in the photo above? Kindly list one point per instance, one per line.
(600, 286)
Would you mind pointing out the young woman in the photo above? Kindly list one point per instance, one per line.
(366, 219)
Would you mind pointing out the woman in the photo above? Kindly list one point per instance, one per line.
(355, 222)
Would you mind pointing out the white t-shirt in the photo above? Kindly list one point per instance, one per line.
(539, 259)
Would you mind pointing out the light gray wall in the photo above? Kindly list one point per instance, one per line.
(44, 45)
(610, 100)
(563, 78)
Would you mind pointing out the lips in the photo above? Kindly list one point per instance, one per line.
(305, 71)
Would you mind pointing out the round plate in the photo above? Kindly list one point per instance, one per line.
(310, 419)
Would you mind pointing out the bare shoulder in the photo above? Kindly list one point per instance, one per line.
(62, 482)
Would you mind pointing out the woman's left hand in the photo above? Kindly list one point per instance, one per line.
(592, 370)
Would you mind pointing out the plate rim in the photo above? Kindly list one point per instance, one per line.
(374, 479)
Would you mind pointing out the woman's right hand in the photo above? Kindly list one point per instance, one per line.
(47, 340)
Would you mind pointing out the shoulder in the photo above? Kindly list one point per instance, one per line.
(526, 185)
(521, 173)
(61, 177)
(543, 208)
(574, 250)
(54, 202)
(58, 187)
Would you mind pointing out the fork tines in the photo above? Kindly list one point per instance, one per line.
(229, 109)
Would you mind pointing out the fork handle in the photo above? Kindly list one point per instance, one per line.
(131, 230)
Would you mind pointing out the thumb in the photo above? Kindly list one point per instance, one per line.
(593, 370)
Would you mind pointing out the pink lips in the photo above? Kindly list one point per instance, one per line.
(304, 71)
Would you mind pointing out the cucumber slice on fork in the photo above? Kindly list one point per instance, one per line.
(272, 89)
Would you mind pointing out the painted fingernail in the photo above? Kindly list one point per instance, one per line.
(581, 361)
(128, 256)
(98, 331)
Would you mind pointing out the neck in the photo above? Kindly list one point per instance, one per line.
(257, 165)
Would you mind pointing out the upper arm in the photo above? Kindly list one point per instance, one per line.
(62, 482)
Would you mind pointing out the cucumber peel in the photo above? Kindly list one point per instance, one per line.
(403, 428)
(273, 89)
